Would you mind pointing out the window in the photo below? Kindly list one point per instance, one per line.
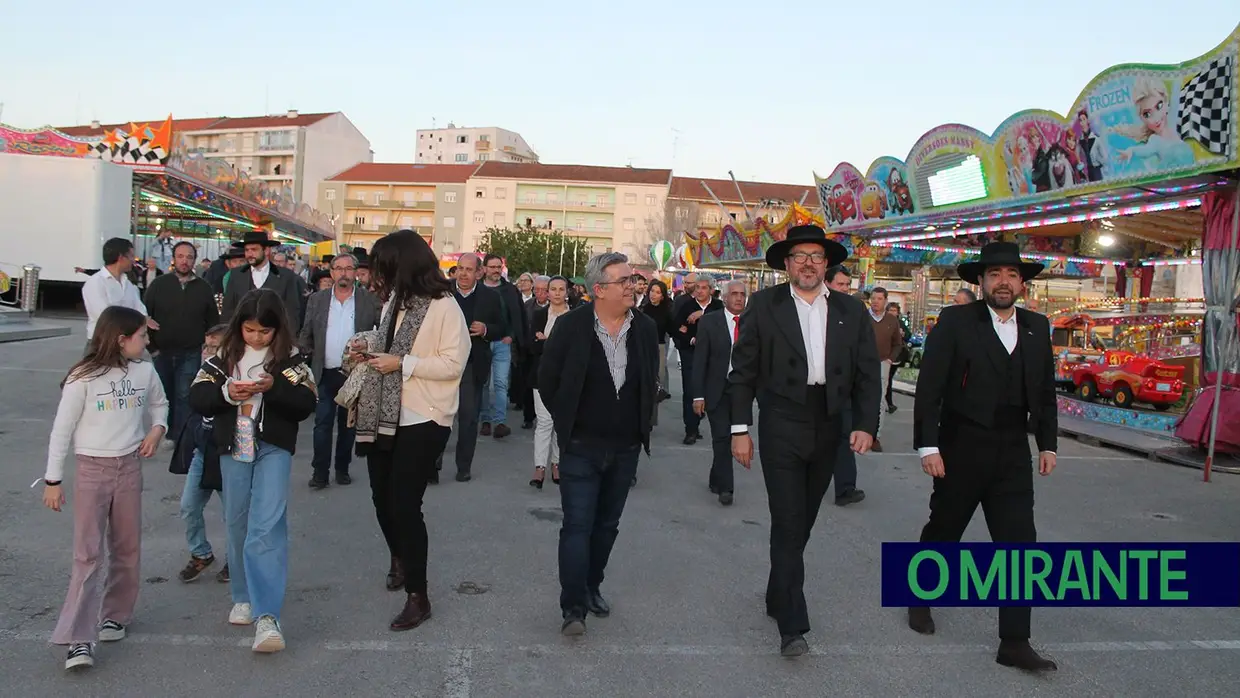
(553, 198)
(601, 199)
(601, 224)
(428, 196)
(462, 157)
(462, 139)
(359, 220)
(531, 198)
(378, 198)
(681, 213)
(330, 194)
(480, 193)
(498, 219)
(483, 157)
(406, 221)
(449, 197)
(449, 222)
(480, 217)
(581, 224)
(630, 199)
(484, 137)
(650, 199)
(630, 224)
(408, 197)
(501, 192)
(426, 221)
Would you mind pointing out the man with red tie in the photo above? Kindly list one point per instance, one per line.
(716, 334)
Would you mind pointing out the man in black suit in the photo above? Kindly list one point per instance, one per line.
(259, 272)
(846, 492)
(804, 352)
(684, 333)
(597, 378)
(986, 381)
(483, 314)
(529, 374)
(711, 365)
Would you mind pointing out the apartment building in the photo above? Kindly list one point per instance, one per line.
(292, 150)
(612, 208)
(690, 205)
(462, 145)
(372, 199)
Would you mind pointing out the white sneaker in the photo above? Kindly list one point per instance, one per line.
(81, 654)
(111, 631)
(241, 614)
(267, 635)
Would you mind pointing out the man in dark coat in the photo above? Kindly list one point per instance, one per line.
(803, 352)
(259, 272)
(986, 381)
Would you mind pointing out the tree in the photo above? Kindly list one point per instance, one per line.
(536, 250)
(659, 228)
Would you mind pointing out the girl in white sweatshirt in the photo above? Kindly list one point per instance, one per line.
(104, 400)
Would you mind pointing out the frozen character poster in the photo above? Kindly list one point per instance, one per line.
(1151, 142)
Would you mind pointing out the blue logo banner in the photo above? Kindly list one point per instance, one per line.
(1061, 574)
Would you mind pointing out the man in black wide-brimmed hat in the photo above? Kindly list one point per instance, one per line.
(986, 380)
(261, 273)
(803, 352)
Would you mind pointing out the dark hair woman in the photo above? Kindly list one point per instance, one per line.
(546, 447)
(659, 307)
(406, 379)
(257, 389)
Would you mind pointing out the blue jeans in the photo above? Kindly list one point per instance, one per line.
(176, 369)
(193, 501)
(326, 413)
(495, 395)
(256, 509)
(594, 486)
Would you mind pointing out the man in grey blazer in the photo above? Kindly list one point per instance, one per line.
(334, 315)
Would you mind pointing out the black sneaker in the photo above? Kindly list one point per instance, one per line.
(343, 479)
(852, 496)
(222, 577)
(111, 631)
(81, 655)
(195, 568)
(318, 484)
(574, 624)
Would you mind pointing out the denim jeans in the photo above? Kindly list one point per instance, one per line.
(256, 507)
(193, 501)
(325, 414)
(176, 369)
(495, 395)
(594, 486)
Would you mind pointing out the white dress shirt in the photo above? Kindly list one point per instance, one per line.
(259, 274)
(1008, 333)
(730, 323)
(813, 319)
(101, 290)
(341, 320)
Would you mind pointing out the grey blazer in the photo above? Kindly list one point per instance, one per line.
(313, 337)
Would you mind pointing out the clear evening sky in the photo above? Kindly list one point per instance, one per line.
(772, 90)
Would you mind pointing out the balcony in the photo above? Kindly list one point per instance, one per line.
(354, 203)
(546, 205)
(481, 146)
(275, 149)
(372, 229)
(420, 205)
(588, 228)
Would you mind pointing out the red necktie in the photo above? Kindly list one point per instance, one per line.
(736, 328)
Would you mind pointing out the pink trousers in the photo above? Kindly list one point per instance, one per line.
(107, 505)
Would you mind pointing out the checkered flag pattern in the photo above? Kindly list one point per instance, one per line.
(131, 151)
(1205, 107)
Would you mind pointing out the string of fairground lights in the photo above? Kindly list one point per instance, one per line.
(1054, 257)
(1116, 300)
(182, 204)
(1174, 324)
(932, 232)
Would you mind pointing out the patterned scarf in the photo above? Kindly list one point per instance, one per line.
(378, 402)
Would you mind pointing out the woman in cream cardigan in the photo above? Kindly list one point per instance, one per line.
(404, 407)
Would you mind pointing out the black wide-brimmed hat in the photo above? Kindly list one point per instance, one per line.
(777, 253)
(256, 237)
(999, 254)
(363, 261)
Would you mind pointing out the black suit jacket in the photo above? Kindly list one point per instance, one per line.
(487, 311)
(280, 280)
(566, 358)
(711, 355)
(769, 360)
(680, 318)
(313, 338)
(964, 366)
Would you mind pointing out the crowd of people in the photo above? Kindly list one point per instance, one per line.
(390, 356)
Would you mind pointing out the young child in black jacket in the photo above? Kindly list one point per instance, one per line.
(257, 389)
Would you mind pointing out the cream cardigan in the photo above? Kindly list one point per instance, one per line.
(442, 350)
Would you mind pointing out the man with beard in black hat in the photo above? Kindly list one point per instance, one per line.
(804, 351)
(986, 380)
(261, 273)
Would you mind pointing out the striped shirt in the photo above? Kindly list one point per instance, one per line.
(615, 349)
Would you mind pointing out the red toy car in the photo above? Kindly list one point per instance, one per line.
(1125, 378)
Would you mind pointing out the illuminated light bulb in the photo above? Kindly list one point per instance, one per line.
(153, 208)
(1106, 240)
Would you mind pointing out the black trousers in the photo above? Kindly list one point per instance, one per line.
(846, 460)
(891, 377)
(798, 453)
(992, 467)
(397, 483)
(467, 414)
(721, 473)
(692, 421)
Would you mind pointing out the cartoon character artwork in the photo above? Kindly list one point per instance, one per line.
(1059, 168)
(873, 203)
(842, 205)
(900, 199)
(1157, 144)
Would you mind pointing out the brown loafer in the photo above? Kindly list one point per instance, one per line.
(417, 609)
